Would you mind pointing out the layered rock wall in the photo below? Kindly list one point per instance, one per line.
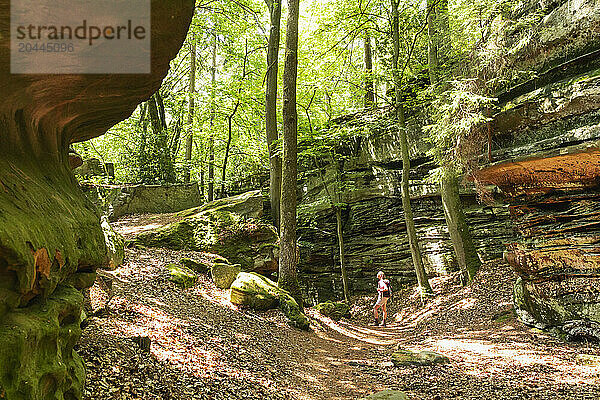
(373, 222)
(546, 161)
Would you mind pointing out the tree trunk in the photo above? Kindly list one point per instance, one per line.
(161, 109)
(288, 258)
(190, 122)
(432, 43)
(211, 141)
(466, 253)
(340, 236)
(462, 241)
(411, 232)
(369, 83)
(271, 109)
(230, 134)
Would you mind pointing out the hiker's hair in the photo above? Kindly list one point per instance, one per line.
(380, 275)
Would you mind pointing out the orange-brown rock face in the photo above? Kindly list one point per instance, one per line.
(547, 163)
(50, 237)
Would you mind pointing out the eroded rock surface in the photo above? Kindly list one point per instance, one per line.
(547, 163)
(51, 241)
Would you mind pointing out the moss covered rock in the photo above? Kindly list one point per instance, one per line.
(225, 227)
(404, 357)
(387, 395)
(37, 360)
(181, 275)
(257, 292)
(334, 310)
(115, 243)
(223, 275)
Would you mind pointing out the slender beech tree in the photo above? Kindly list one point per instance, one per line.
(411, 232)
(189, 143)
(271, 108)
(369, 82)
(288, 255)
(439, 46)
(230, 123)
(211, 139)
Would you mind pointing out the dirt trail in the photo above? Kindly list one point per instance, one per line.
(202, 347)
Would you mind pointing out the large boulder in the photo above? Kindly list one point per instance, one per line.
(50, 235)
(257, 292)
(227, 227)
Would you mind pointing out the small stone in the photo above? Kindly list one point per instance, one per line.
(587, 359)
(196, 266)
(404, 357)
(387, 395)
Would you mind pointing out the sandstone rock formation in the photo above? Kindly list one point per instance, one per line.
(547, 163)
(228, 227)
(50, 235)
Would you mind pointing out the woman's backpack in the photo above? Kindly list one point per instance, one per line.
(388, 292)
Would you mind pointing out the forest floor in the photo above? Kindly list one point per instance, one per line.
(203, 347)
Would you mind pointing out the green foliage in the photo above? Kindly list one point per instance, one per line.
(458, 130)
(331, 82)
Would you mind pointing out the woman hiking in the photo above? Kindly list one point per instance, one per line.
(383, 295)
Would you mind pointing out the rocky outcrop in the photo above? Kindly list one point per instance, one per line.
(373, 221)
(547, 164)
(228, 227)
(50, 235)
(118, 200)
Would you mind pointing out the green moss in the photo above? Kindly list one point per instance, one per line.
(181, 275)
(42, 210)
(37, 361)
(223, 275)
(115, 244)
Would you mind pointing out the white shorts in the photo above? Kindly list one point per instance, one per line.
(381, 301)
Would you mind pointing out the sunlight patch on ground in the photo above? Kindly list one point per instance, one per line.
(479, 353)
(350, 330)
